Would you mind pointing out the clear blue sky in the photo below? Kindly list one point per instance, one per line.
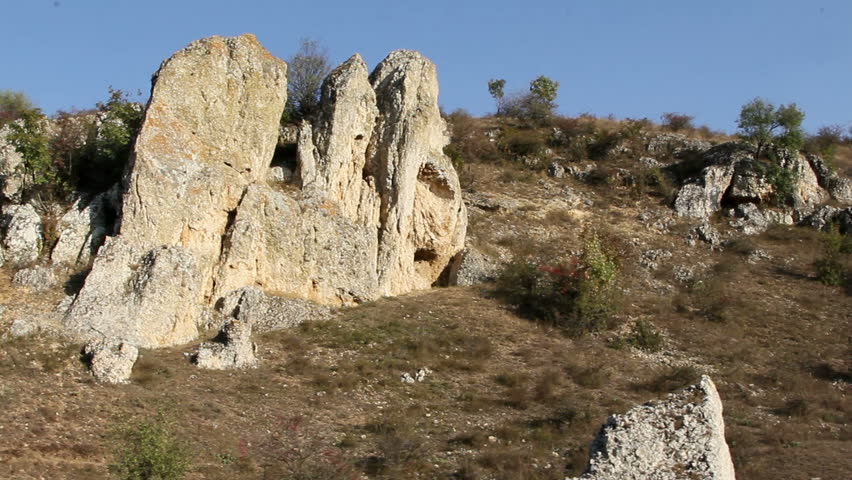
(630, 58)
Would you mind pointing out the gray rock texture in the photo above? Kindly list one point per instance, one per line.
(682, 437)
(265, 312)
(473, 267)
(11, 169)
(839, 188)
(38, 278)
(23, 234)
(232, 348)
(703, 196)
(111, 361)
(82, 230)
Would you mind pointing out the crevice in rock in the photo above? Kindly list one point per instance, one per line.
(427, 255)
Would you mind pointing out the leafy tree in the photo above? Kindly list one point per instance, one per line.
(762, 124)
(12, 105)
(495, 88)
(543, 91)
(29, 137)
(305, 71)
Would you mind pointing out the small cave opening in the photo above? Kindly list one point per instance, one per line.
(425, 255)
(284, 167)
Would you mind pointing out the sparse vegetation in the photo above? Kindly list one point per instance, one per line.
(306, 70)
(577, 295)
(149, 450)
(831, 269)
(677, 122)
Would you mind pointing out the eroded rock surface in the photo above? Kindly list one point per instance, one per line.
(111, 361)
(23, 233)
(232, 348)
(82, 229)
(375, 208)
(678, 438)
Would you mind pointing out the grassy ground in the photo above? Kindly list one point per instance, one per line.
(505, 398)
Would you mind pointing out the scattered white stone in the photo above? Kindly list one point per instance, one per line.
(111, 361)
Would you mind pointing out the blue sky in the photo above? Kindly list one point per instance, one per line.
(630, 58)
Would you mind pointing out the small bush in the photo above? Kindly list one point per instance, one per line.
(830, 268)
(577, 296)
(644, 336)
(148, 450)
(604, 145)
(825, 141)
(783, 181)
(677, 121)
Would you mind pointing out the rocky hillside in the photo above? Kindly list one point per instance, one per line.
(385, 292)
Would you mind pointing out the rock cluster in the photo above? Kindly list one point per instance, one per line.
(376, 209)
(732, 177)
(681, 437)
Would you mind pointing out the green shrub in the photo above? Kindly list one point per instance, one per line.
(644, 336)
(12, 105)
(109, 151)
(148, 450)
(604, 145)
(578, 296)
(830, 268)
(29, 137)
(783, 181)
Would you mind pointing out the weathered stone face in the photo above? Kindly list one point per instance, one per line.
(209, 131)
(376, 210)
(681, 437)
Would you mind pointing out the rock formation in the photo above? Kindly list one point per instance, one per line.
(732, 177)
(681, 437)
(376, 209)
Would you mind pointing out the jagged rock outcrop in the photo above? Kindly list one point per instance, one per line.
(732, 176)
(827, 215)
(232, 348)
(678, 438)
(23, 233)
(376, 210)
(379, 211)
(839, 188)
(209, 131)
(11, 169)
(83, 228)
(111, 361)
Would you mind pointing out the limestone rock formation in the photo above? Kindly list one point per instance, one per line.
(681, 437)
(23, 231)
(11, 174)
(265, 312)
(110, 361)
(732, 176)
(376, 208)
(83, 228)
(473, 267)
(232, 348)
(703, 196)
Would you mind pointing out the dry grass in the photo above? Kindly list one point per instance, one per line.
(506, 398)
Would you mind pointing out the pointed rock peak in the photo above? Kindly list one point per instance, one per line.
(354, 67)
(399, 60)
